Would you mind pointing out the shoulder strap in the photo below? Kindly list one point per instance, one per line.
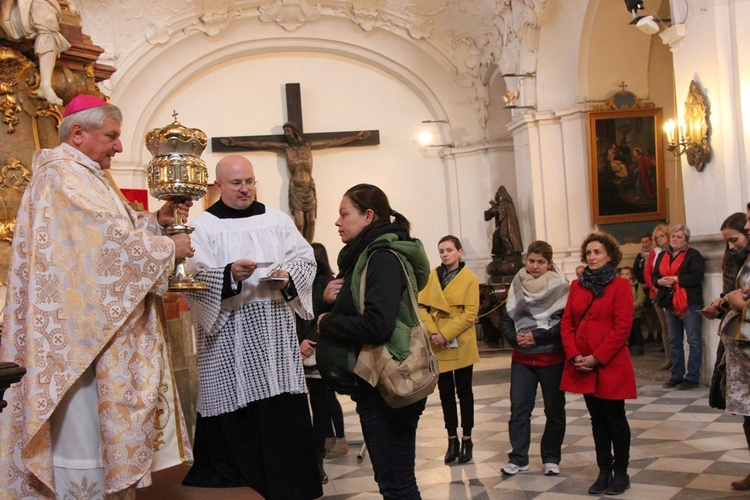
(363, 279)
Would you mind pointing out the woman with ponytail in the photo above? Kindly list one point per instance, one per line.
(368, 226)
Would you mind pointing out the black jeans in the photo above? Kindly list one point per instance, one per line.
(321, 418)
(391, 436)
(452, 384)
(611, 432)
(524, 380)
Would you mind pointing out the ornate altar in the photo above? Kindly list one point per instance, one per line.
(29, 122)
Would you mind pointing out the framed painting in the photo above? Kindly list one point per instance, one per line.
(627, 166)
(212, 196)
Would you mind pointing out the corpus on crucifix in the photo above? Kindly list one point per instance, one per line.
(298, 148)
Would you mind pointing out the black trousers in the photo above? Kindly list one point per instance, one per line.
(452, 384)
(611, 432)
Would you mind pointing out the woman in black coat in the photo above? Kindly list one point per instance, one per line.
(678, 277)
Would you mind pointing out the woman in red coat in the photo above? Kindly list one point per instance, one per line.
(595, 328)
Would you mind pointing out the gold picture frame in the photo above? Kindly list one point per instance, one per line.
(627, 166)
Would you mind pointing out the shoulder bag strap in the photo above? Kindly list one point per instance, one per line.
(362, 280)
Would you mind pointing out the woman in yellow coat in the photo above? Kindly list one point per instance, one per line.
(448, 306)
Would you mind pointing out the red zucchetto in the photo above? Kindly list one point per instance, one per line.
(83, 102)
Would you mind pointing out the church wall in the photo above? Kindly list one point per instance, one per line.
(230, 85)
(714, 53)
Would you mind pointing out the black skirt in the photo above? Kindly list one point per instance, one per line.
(267, 446)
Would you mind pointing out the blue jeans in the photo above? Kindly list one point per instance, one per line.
(523, 383)
(391, 438)
(691, 324)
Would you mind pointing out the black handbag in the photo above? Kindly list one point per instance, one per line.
(718, 389)
(335, 360)
(664, 296)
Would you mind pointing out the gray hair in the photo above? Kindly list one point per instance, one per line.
(680, 227)
(89, 119)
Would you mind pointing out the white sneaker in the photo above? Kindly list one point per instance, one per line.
(551, 469)
(513, 469)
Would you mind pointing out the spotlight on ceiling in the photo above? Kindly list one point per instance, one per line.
(634, 6)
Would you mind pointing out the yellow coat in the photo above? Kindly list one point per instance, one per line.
(452, 312)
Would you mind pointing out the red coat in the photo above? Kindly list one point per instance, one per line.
(603, 332)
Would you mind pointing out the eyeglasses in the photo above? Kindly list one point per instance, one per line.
(237, 184)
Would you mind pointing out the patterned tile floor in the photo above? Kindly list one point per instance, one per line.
(681, 448)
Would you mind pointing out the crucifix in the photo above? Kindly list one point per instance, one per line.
(298, 148)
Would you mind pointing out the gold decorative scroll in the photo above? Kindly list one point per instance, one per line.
(12, 66)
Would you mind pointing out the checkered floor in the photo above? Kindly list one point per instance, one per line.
(681, 448)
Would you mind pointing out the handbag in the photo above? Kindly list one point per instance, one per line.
(400, 382)
(717, 393)
(335, 361)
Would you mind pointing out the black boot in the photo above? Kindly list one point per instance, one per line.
(323, 475)
(452, 453)
(619, 484)
(602, 482)
(466, 448)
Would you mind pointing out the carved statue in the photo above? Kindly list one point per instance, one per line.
(37, 20)
(506, 239)
(303, 202)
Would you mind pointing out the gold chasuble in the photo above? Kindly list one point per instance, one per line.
(82, 281)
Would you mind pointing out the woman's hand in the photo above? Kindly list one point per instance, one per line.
(736, 299)
(317, 323)
(307, 348)
(585, 363)
(332, 290)
(711, 311)
(438, 339)
(667, 281)
(525, 339)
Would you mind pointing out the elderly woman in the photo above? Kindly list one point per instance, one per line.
(595, 328)
(678, 277)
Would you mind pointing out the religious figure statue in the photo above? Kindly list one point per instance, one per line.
(37, 20)
(303, 202)
(506, 239)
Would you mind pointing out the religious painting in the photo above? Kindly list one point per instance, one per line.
(627, 166)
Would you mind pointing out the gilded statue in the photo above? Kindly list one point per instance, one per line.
(37, 20)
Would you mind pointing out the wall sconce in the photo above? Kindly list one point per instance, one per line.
(690, 134)
(509, 98)
(427, 133)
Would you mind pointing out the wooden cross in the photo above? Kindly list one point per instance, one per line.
(622, 86)
(298, 149)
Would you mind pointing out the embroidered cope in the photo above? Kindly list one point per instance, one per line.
(81, 282)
